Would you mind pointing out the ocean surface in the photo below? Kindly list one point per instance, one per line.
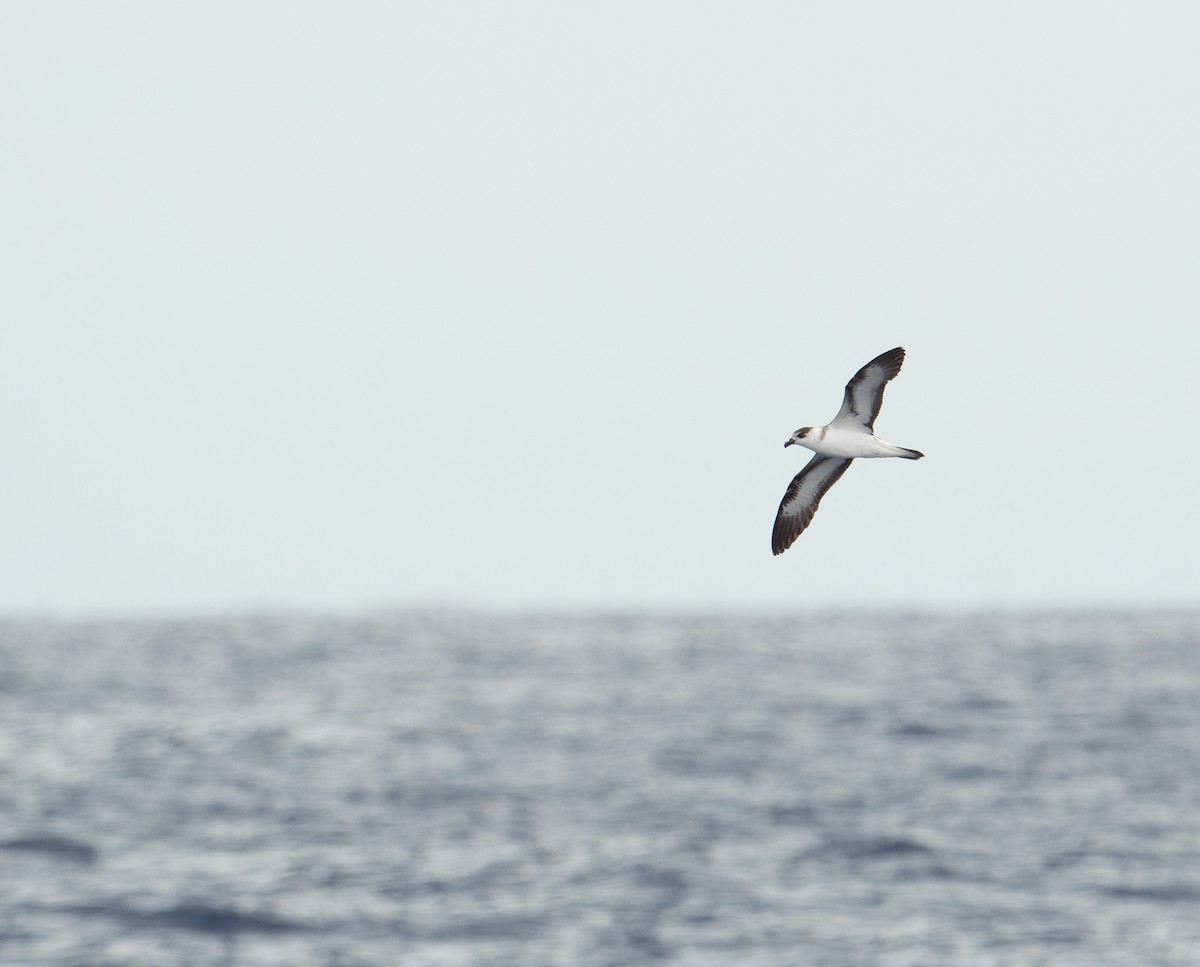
(465, 790)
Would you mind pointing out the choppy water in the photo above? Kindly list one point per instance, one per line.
(472, 790)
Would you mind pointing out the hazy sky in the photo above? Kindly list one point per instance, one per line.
(514, 304)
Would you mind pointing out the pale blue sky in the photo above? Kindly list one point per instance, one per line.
(514, 305)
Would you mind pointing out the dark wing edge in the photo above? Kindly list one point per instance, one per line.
(864, 392)
(820, 473)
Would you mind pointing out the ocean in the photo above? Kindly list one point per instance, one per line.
(463, 790)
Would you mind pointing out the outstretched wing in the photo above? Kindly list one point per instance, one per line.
(803, 497)
(864, 393)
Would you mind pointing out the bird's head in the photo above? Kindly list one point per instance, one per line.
(799, 435)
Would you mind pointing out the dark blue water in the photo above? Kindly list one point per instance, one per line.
(469, 790)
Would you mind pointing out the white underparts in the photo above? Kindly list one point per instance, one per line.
(832, 441)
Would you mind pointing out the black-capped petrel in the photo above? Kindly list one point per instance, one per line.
(849, 435)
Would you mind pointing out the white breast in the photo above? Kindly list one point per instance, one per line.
(831, 441)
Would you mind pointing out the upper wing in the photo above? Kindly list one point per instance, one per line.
(864, 393)
(803, 496)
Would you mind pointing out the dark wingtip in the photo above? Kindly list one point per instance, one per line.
(892, 360)
(913, 454)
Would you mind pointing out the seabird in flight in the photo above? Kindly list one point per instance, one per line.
(849, 435)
